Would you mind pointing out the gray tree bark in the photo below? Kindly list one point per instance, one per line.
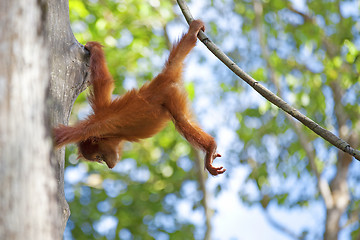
(42, 71)
(28, 206)
(68, 79)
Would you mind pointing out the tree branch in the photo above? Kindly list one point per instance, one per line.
(316, 128)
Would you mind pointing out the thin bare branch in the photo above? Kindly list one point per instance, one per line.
(353, 218)
(304, 15)
(202, 176)
(316, 128)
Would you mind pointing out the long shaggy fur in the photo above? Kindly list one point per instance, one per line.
(139, 113)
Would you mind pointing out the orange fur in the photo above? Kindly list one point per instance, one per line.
(138, 114)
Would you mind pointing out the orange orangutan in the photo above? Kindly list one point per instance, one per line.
(138, 114)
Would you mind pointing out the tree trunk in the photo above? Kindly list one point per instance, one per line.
(341, 197)
(42, 71)
(68, 79)
(339, 185)
(27, 181)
